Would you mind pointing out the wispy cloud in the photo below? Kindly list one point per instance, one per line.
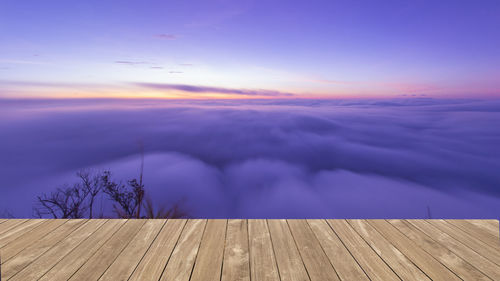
(186, 64)
(166, 36)
(131, 63)
(29, 62)
(175, 72)
(156, 67)
(219, 90)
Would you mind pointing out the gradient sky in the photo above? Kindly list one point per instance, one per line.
(261, 48)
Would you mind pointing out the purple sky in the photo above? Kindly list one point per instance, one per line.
(232, 49)
(257, 108)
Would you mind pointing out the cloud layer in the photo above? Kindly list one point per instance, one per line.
(265, 158)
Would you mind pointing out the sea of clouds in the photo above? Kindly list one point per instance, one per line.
(398, 158)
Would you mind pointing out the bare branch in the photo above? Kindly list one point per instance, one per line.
(65, 202)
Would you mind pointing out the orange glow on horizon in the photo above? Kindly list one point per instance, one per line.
(68, 92)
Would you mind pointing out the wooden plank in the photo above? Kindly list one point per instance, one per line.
(317, 263)
(344, 263)
(290, 264)
(225, 249)
(14, 233)
(466, 239)
(104, 257)
(41, 265)
(491, 226)
(9, 224)
(34, 251)
(399, 263)
(127, 261)
(31, 237)
(487, 267)
(477, 232)
(455, 263)
(208, 265)
(180, 265)
(371, 263)
(262, 260)
(236, 263)
(432, 268)
(66, 267)
(155, 259)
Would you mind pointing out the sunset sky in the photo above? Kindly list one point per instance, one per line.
(249, 49)
(256, 108)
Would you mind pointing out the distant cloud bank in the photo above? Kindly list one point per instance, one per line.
(218, 90)
(265, 158)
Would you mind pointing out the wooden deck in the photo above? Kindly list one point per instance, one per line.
(197, 249)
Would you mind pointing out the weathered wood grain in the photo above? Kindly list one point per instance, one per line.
(463, 237)
(455, 263)
(28, 238)
(180, 265)
(37, 268)
(344, 263)
(10, 224)
(31, 253)
(208, 265)
(490, 226)
(262, 260)
(290, 264)
(317, 263)
(125, 263)
(155, 260)
(248, 250)
(236, 263)
(399, 263)
(428, 264)
(65, 268)
(104, 257)
(371, 263)
(478, 232)
(18, 230)
(487, 267)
